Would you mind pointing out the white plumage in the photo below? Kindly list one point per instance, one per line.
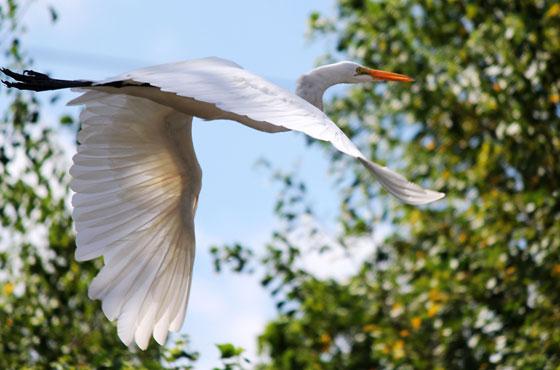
(136, 177)
(136, 180)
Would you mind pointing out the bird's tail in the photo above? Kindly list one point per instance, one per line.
(35, 81)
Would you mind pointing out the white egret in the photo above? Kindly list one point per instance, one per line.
(136, 177)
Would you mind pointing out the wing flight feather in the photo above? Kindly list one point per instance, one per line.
(136, 182)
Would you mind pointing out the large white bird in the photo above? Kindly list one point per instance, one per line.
(136, 177)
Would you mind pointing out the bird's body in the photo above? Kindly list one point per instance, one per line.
(136, 177)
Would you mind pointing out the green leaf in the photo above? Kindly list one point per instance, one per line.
(228, 350)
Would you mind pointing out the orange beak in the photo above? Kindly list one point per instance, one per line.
(387, 76)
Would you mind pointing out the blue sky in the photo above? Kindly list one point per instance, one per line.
(101, 38)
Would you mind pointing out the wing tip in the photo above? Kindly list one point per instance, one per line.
(430, 196)
(400, 187)
(438, 195)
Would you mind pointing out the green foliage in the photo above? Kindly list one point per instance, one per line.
(179, 357)
(234, 255)
(228, 350)
(471, 282)
(47, 319)
(231, 357)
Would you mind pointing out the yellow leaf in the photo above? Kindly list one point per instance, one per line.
(435, 295)
(414, 216)
(484, 157)
(416, 322)
(433, 310)
(8, 288)
(398, 349)
(325, 340)
(404, 333)
(553, 11)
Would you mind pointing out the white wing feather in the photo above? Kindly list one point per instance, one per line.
(136, 182)
(233, 89)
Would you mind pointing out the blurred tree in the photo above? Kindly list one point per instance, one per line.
(46, 317)
(471, 282)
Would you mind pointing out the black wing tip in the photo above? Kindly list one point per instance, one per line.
(36, 81)
(8, 72)
(16, 76)
(36, 75)
(27, 75)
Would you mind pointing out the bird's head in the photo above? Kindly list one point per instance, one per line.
(350, 72)
(312, 85)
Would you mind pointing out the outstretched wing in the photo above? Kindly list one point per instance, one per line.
(136, 182)
(234, 90)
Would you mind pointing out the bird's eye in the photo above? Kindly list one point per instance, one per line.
(359, 71)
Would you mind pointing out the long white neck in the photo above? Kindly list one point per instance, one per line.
(311, 86)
